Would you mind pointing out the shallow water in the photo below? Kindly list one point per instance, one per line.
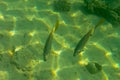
(24, 28)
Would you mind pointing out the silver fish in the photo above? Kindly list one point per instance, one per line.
(82, 42)
(85, 38)
(48, 44)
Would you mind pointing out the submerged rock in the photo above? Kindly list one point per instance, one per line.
(61, 6)
(93, 67)
(109, 9)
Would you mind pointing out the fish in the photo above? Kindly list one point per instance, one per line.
(48, 44)
(82, 42)
(79, 48)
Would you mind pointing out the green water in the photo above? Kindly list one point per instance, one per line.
(24, 28)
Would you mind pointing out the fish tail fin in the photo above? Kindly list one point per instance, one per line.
(56, 26)
(99, 22)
